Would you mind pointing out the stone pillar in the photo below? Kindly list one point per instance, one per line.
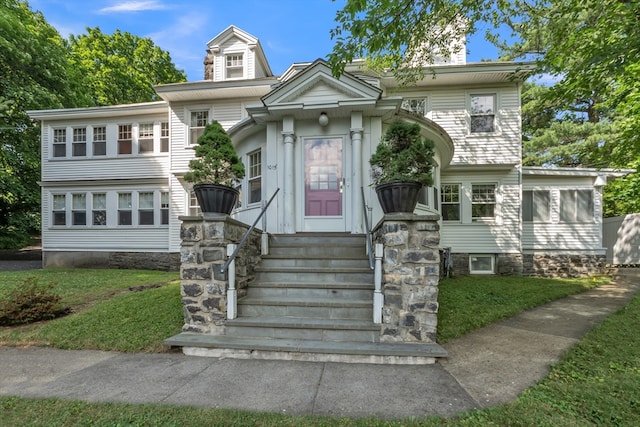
(411, 267)
(202, 255)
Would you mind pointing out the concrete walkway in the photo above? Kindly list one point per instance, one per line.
(485, 368)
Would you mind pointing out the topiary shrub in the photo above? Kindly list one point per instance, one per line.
(30, 302)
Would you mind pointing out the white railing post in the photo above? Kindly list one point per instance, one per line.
(232, 293)
(378, 297)
(265, 235)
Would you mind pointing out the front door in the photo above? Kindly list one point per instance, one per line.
(323, 184)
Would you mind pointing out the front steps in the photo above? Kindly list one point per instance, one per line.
(312, 299)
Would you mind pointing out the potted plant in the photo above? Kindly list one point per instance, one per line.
(215, 170)
(401, 165)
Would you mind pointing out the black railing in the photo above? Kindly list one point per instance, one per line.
(247, 233)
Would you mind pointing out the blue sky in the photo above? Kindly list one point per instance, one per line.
(289, 30)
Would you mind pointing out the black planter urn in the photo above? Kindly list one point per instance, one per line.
(216, 198)
(398, 197)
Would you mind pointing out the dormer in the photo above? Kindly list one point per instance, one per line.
(235, 55)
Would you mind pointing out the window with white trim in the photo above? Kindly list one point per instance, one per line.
(481, 264)
(59, 210)
(125, 208)
(79, 209)
(145, 138)
(79, 144)
(164, 207)
(99, 141)
(124, 139)
(194, 206)
(483, 201)
(199, 119)
(145, 208)
(234, 66)
(483, 113)
(59, 143)
(576, 205)
(450, 202)
(415, 105)
(255, 176)
(164, 137)
(99, 209)
(536, 205)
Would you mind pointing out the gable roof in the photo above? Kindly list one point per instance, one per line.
(252, 42)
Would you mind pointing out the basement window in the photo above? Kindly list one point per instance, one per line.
(481, 264)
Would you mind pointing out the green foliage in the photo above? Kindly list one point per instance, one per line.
(121, 68)
(216, 159)
(403, 155)
(30, 302)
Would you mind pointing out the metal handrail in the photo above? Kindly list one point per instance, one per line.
(246, 234)
(368, 230)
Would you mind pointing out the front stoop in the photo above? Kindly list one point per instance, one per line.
(306, 350)
(311, 300)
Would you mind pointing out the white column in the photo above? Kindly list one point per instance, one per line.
(288, 187)
(357, 219)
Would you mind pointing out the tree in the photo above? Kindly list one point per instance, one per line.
(121, 68)
(33, 66)
(591, 48)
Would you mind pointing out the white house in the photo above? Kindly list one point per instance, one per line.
(112, 177)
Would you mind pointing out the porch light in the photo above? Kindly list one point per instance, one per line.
(323, 120)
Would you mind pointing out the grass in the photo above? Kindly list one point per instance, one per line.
(596, 383)
(108, 316)
(471, 302)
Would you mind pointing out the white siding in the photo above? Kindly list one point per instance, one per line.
(499, 236)
(556, 235)
(115, 168)
(622, 239)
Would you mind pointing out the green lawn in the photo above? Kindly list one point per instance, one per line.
(598, 382)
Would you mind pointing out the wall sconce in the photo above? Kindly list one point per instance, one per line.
(323, 120)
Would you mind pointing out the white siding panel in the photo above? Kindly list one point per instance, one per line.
(228, 114)
(136, 239)
(321, 94)
(110, 168)
(179, 197)
(560, 236)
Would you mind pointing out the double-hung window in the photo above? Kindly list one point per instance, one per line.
(199, 120)
(145, 208)
(450, 202)
(483, 113)
(59, 211)
(79, 145)
(164, 137)
(124, 139)
(235, 67)
(483, 201)
(99, 141)
(145, 138)
(194, 207)
(79, 209)
(536, 205)
(255, 176)
(576, 205)
(99, 209)
(59, 143)
(164, 207)
(125, 208)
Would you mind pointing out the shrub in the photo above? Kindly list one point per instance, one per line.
(30, 302)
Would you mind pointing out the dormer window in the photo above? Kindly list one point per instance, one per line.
(235, 67)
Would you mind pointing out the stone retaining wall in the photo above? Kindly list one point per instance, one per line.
(411, 264)
(163, 261)
(564, 265)
(203, 253)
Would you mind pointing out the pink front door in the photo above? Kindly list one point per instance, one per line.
(323, 177)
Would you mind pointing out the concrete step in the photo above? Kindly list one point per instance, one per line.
(312, 350)
(304, 328)
(347, 291)
(327, 308)
(314, 262)
(333, 251)
(313, 274)
(317, 239)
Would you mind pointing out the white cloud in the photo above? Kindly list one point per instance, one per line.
(134, 6)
